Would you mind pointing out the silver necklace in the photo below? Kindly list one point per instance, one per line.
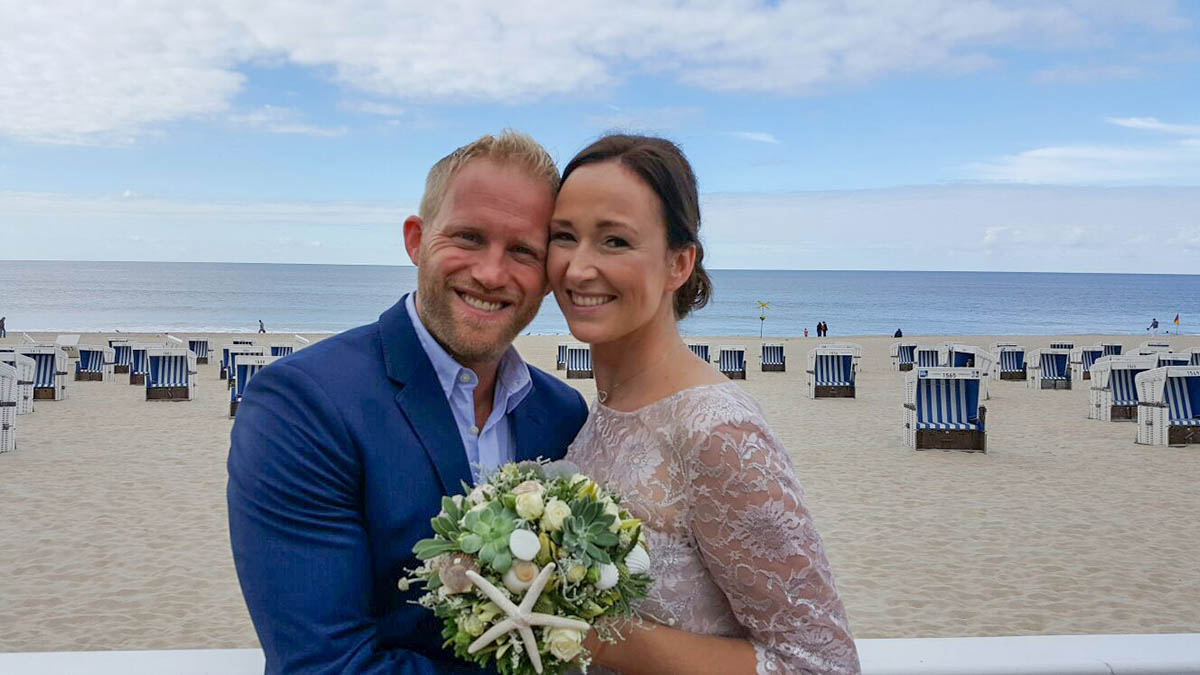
(602, 395)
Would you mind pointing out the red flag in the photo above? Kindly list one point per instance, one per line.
(1176, 319)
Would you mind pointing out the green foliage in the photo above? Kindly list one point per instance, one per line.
(485, 535)
(585, 534)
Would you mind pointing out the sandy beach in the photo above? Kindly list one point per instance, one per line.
(112, 511)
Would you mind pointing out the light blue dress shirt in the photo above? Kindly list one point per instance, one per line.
(493, 445)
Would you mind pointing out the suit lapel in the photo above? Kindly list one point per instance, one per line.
(421, 398)
(529, 432)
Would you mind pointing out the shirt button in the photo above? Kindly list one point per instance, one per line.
(474, 430)
(464, 378)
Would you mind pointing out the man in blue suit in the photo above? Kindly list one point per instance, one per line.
(341, 452)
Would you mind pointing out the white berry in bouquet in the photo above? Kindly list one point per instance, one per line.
(534, 546)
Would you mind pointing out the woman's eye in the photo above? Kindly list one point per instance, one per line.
(561, 236)
(616, 242)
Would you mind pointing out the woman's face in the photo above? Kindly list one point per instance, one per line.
(608, 261)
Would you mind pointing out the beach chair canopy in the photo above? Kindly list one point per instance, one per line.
(282, 349)
(1182, 397)
(245, 370)
(44, 370)
(927, 357)
(1012, 360)
(579, 358)
(199, 347)
(906, 353)
(91, 359)
(1155, 346)
(1195, 358)
(700, 350)
(1062, 345)
(1111, 349)
(948, 404)
(168, 368)
(960, 356)
(1054, 365)
(772, 355)
(731, 359)
(1087, 356)
(561, 358)
(1173, 359)
(833, 368)
(138, 363)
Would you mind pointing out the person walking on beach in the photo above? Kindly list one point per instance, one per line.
(340, 455)
(261, 328)
(3, 331)
(1153, 328)
(898, 334)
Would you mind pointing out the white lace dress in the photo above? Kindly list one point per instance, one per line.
(733, 550)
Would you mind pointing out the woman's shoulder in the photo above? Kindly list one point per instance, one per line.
(706, 408)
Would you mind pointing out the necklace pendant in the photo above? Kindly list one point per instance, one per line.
(601, 396)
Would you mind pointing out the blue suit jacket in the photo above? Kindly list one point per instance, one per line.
(339, 457)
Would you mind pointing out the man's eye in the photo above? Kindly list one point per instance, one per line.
(470, 236)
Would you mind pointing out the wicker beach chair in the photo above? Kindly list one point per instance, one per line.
(1173, 359)
(122, 354)
(1082, 359)
(172, 375)
(244, 370)
(1194, 357)
(942, 410)
(1050, 369)
(903, 356)
(230, 351)
(95, 364)
(1009, 363)
(26, 369)
(579, 362)
(199, 347)
(1111, 348)
(560, 356)
(831, 373)
(139, 363)
(1112, 395)
(700, 349)
(927, 357)
(283, 348)
(731, 360)
(1062, 345)
(1154, 346)
(50, 374)
(773, 359)
(1169, 406)
(8, 407)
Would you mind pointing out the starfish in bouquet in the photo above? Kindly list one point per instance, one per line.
(521, 618)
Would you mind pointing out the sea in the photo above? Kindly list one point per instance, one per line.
(74, 296)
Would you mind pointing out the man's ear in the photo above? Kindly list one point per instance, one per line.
(681, 263)
(414, 228)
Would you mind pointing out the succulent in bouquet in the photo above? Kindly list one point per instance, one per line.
(524, 564)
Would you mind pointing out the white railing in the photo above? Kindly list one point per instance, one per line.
(1167, 654)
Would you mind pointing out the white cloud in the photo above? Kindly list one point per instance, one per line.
(999, 227)
(279, 120)
(373, 108)
(1173, 163)
(644, 119)
(756, 136)
(1084, 74)
(76, 71)
(1152, 124)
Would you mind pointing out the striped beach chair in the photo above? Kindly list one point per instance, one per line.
(8, 407)
(1112, 395)
(283, 348)
(927, 357)
(199, 347)
(1111, 348)
(1169, 406)
(942, 410)
(731, 360)
(244, 370)
(1010, 363)
(1050, 369)
(95, 364)
(831, 373)
(139, 364)
(50, 374)
(773, 360)
(244, 342)
(25, 369)
(579, 362)
(1194, 357)
(903, 354)
(1173, 359)
(560, 357)
(1082, 359)
(172, 375)
(122, 355)
(1154, 346)
(1062, 345)
(700, 349)
(229, 351)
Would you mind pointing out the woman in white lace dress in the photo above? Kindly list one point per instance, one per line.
(743, 585)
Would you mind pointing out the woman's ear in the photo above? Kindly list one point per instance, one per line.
(680, 264)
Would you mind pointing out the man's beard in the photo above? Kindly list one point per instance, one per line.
(463, 340)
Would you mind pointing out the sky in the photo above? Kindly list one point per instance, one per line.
(1056, 135)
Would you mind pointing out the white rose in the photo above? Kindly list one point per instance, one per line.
(565, 643)
(482, 493)
(528, 487)
(529, 505)
(611, 508)
(554, 514)
(472, 625)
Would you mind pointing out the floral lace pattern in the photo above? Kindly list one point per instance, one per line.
(734, 551)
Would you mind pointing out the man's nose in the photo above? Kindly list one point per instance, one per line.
(490, 271)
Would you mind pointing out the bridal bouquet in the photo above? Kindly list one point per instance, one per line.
(524, 564)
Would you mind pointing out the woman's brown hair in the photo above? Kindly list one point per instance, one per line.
(662, 166)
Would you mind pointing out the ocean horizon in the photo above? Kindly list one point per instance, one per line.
(83, 296)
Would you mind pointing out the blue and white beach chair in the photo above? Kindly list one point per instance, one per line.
(1169, 406)
(95, 364)
(283, 348)
(579, 362)
(1154, 346)
(1111, 348)
(172, 375)
(1194, 357)
(1173, 359)
(942, 410)
(8, 407)
(199, 347)
(560, 357)
(903, 354)
(50, 374)
(1010, 363)
(1049, 369)
(26, 370)
(244, 370)
(244, 342)
(927, 357)
(139, 363)
(700, 349)
(122, 355)
(1062, 345)
(773, 360)
(229, 351)
(731, 360)
(1113, 395)
(831, 373)
(1082, 359)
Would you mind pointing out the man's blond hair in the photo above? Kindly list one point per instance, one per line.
(509, 148)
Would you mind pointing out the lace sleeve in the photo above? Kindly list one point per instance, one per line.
(761, 547)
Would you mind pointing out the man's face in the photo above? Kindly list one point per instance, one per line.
(481, 272)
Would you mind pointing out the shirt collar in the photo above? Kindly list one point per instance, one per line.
(513, 381)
